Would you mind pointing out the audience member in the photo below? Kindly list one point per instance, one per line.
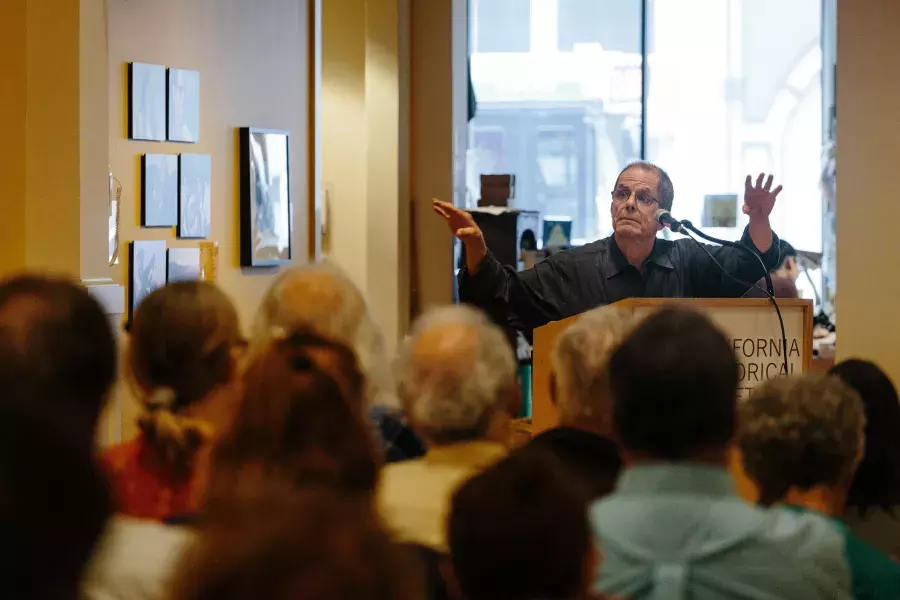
(801, 440)
(321, 298)
(285, 544)
(579, 368)
(456, 379)
(579, 386)
(784, 278)
(873, 502)
(54, 501)
(183, 361)
(299, 424)
(519, 530)
(592, 460)
(57, 348)
(675, 526)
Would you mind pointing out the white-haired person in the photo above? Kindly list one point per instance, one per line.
(321, 298)
(579, 387)
(456, 379)
(802, 440)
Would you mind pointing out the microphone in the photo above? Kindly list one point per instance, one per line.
(665, 218)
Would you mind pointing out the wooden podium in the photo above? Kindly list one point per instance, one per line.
(750, 323)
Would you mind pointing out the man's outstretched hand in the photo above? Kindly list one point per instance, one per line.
(759, 200)
(463, 226)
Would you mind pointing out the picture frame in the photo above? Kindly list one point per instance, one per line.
(147, 270)
(266, 209)
(183, 106)
(183, 264)
(146, 102)
(159, 190)
(194, 196)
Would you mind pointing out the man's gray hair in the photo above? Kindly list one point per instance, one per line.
(579, 362)
(666, 189)
(801, 432)
(451, 394)
(320, 297)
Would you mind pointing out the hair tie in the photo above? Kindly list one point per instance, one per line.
(162, 399)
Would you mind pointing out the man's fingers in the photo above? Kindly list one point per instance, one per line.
(759, 179)
(775, 192)
(746, 209)
(466, 232)
(748, 183)
(768, 185)
(440, 210)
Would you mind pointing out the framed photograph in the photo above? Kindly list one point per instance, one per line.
(194, 197)
(148, 270)
(720, 210)
(183, 264)
(146, 102)
(159, 190)
(184, 105)
(266, 226)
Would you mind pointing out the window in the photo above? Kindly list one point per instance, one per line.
(502, 25)
(729, 91)
(568, 113)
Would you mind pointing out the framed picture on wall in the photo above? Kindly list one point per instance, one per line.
(147, 270)
(159, 190)
(183, 264)
(184, 105)
(266, 227)
(146, 102)
(194, 196)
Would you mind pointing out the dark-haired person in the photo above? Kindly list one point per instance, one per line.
(675, 525)
(54, 501)
(633, 262)
(182, 360)
(801, 440)
(873, 501)
(290, 544)
(519, 530)
(57, 347)
(299, 423)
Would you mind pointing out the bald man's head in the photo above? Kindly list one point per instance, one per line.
(56, 348)
(455, 373)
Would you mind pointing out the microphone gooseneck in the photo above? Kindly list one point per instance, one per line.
(685, 227)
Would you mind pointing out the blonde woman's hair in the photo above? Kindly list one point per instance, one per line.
(182, 342)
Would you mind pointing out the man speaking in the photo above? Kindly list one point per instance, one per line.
(631, 263)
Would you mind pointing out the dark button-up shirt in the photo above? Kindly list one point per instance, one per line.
(576, 280)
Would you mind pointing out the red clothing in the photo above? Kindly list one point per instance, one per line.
(144, 486)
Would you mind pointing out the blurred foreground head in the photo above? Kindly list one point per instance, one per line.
(322, 299)
(285, 544)
(56, 349)
(301, 423)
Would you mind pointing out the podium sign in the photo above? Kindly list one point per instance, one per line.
(751, 325)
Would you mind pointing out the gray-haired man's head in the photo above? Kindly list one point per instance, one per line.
(321, 298)
(580, 376)
(456, 376)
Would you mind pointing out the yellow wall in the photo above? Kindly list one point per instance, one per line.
(12, 155)
(868, 208)
(252, 58)
(364, 151)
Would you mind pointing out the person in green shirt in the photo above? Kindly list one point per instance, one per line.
(801, 440)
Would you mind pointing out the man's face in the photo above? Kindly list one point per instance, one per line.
(634, 204)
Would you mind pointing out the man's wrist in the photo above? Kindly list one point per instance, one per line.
(475, 260)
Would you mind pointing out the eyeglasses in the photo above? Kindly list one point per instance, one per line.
(622, 194)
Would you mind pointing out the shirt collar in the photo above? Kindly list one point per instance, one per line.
(617, 262)
(676, 478)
